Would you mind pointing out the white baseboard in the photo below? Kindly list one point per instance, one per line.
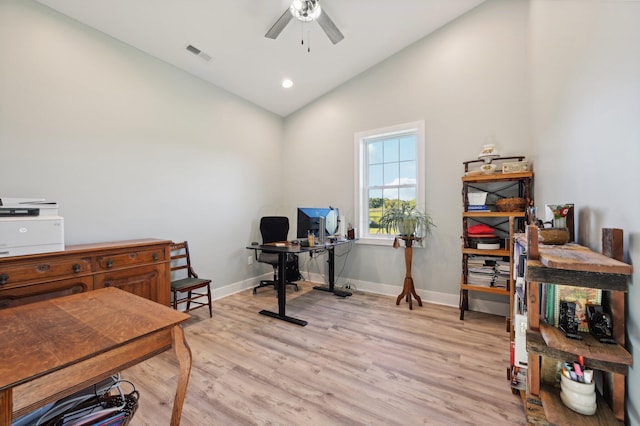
(447, 299)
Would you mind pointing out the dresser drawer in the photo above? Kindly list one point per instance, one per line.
(33, 293)
(16, 274)
(129, 258)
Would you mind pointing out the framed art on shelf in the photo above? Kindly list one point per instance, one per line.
(581, 296)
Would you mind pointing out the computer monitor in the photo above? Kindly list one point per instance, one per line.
(309, 221)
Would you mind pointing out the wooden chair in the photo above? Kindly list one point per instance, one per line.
(190, 284)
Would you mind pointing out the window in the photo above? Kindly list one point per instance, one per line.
(390, 171)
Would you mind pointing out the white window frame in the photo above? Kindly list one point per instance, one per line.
(361, 202)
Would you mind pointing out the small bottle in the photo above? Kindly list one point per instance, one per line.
(311, 239)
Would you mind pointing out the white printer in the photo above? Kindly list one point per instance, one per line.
(29, 226)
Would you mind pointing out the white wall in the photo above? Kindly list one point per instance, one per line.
(129, 146)
(132, 147)
(468, 81)
(585, 59)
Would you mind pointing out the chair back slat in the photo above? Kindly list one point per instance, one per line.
(180, 260)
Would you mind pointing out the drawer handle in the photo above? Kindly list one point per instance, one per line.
(76, 267)
(155, 256)
(4, 278)
(107, 284)
(109, 263)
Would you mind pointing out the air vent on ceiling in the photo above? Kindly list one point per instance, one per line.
(199, 53)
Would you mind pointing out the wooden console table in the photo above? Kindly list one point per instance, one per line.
(53, 348)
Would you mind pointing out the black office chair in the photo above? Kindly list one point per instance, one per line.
(274, 229)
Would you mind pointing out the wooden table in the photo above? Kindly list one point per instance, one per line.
(53, 348)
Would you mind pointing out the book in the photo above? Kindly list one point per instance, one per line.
(580, 296)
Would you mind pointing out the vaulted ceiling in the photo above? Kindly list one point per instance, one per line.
(235, 55)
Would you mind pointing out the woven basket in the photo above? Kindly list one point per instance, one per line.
(513, 204)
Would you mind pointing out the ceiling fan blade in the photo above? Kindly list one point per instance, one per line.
(277, 28)
(329, 27)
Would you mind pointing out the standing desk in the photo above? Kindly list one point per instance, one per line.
(54, 348)
(283, 251)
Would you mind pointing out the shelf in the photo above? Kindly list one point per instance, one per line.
(550, 341)
(492, 214)
(482, 252)
(503, 224)
(537, 272)
(497, 177)
(575, 265)
(559, 414)
(484, 289)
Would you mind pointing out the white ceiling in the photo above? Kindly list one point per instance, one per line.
(249, 65)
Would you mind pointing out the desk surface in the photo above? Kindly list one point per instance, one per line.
(289, 247)
(43, 338)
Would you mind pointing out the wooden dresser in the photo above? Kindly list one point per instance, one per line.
(140, 267)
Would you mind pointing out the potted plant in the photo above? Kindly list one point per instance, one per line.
(408, 224)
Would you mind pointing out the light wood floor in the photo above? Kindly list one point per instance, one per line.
(361, 360)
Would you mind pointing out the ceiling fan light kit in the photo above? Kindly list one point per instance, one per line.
(306, 11)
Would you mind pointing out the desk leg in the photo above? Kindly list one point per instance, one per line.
(183, 353)
(332, 268)
(6, 407)
(282, 294)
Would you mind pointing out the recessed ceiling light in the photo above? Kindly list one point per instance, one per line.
(287, 83)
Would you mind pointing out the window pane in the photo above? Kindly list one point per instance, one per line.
(374, 152)
(408, 173)
(391, 174)
(408, 194)
(408, 148)
(375, 210)
(391, 150)
(375, 175)
(391, 196)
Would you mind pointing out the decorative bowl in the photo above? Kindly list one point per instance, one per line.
(488, 169)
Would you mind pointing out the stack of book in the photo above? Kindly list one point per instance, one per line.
(481, 271)
(477, 208)
(503, 272)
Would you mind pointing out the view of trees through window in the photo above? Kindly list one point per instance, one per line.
(391, 175)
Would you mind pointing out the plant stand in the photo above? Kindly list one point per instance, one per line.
(408, 288)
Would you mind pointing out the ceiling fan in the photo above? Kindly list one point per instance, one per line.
(306, 11)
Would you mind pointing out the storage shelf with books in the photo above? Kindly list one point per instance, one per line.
(487, 234)
(584, 274)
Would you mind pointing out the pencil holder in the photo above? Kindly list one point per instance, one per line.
(580, 397)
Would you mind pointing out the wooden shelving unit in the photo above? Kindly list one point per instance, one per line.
(575, 265)
(497, 185)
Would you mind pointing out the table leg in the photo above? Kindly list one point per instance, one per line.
(282, 294)
(408, 289)
(332, 267)
(6, 407)
(183, 354)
